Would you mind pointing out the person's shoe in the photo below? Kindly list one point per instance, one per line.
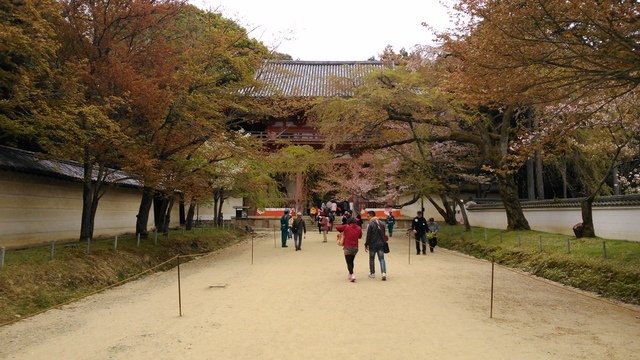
(372, 276)
(418, 253)
(284, 246)
(352, 278)
(431, 249)
(424, 253)
(384, 277)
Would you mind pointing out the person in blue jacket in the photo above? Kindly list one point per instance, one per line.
(391, 221)
(284, 228)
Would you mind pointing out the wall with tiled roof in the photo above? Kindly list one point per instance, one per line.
(614, 217)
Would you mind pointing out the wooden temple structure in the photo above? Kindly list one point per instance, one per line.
(303, 80)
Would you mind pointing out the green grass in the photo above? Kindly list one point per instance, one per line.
(608, 267)
(31, 281)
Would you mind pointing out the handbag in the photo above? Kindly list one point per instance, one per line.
(385, 248)
(339, 239)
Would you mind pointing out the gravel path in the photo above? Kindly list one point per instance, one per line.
(299, 305)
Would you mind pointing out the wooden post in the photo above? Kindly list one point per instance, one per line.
(409, 252)
(604, 249)
(115, 243)
(179, 291)
(138, 243)
(52, 251)
(493, 261)
(540, 243)
(2, 251)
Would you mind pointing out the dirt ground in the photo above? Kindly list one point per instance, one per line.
(299, 305)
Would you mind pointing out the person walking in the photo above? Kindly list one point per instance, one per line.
(345, 217)
(284, 228)
(351, 234)
(391, 221)
(432, 233)
(298, 228)
(374, 245)
(419, 228)
(313, 212)
(325, 228)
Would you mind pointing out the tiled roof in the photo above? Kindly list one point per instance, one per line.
(311, 78)
(33, 163)
(601, 201)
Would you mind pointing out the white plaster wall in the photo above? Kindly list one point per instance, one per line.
(205, 210)
(38, 209)
(620, 223)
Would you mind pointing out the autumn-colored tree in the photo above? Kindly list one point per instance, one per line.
(554, 57)
(125, 63)
(214, 60)
(37, 92)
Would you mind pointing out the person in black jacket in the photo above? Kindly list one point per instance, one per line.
(419, 228)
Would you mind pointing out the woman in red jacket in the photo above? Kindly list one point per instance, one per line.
(351, 233)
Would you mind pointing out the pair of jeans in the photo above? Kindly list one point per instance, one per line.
(372, 265)
(297, 240)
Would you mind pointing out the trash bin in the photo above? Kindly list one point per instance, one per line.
(238, 213)
(578, 230)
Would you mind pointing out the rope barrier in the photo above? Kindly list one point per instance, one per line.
(97, 291)
(552, 283)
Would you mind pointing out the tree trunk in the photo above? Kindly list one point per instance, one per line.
(616, 182)
(161, 203)
(586, 206)
(167, 214)
(564, 179)
(509, 193)
(219, 216)
(85, 225)
(447, 212)
(190, 213)
(539, 177)
(142, 219)
(158, 210)
(531, 189)
(465, 216)
(218, 194)
(91, 194)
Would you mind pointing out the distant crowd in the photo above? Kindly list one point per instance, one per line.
(349, 229)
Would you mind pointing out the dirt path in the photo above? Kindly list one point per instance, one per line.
(299, 305)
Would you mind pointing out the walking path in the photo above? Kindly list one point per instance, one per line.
(299, 305)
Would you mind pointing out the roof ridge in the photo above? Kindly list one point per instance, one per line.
(323, 62)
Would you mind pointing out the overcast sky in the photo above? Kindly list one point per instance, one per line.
(334, 29)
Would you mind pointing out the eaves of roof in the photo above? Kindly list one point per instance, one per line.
(17, 160)
(601, 201)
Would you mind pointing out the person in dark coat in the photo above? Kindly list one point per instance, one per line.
(284, 228)
(419, 228)
(374, 245)
(298, 228)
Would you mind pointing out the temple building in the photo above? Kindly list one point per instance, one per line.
(302, 82)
